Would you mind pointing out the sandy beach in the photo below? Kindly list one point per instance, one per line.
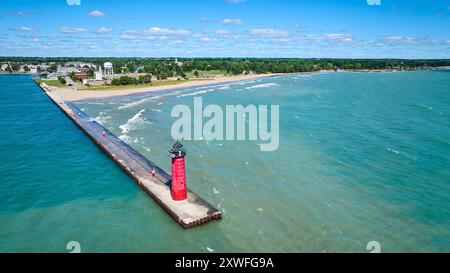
(69, 94)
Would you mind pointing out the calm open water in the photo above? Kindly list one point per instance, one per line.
(362, 157)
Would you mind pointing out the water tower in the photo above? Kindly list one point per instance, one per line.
(108, 68)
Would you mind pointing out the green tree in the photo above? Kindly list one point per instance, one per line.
(62, 80)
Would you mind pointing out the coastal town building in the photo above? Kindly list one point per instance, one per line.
(81, 75)
(66, 70)
(98, 75)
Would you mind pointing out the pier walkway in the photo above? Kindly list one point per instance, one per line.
(189, 213)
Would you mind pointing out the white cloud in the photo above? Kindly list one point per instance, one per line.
(97, 13)
(156, 31)
(331, 37)
(373, 2)
(207, 39)
(334, 37)
(24, 29)
(73, 2)
(399, 40)
(104, 30)
(235, 1)
(270, 33)
(223, 33)
(234, 22)
(176, 42)
(72, 30)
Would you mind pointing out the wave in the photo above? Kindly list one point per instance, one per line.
(196, 93)
(136, 103)
(133, 123)
(102, 119)
(392, 150)
(264, 85)
(426, 107)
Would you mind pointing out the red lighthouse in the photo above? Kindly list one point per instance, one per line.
(179, 189)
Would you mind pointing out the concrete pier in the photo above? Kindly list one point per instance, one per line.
(189, 213)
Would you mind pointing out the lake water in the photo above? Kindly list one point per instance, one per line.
(362, 157)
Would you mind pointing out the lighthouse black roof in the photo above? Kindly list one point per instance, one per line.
(177, 145)
(177, 150)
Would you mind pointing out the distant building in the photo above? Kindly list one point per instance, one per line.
(85, 68)
(43, 67)
(178, 63)
(80, 64)
(93, 82)
(66, 69)
(33, 69)
(81, 75)
(98, 75)
(108, 67)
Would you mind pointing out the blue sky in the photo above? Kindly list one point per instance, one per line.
(226, 28)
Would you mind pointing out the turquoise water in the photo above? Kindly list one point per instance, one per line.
(362, 157)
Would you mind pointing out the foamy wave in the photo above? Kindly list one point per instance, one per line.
(102, 119)
(197, 93)
(136, 103)
(392, 150)
(133, 123)
(265, 85)
(226, 87)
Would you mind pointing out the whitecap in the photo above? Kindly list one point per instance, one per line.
(226, 87)
(197, 93)
(133, 123)
(136, 103)
(215, 191)
(209, 249)
(264, 85)
(102, 119)
(392, 150)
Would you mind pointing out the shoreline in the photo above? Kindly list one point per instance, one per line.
(74, 95)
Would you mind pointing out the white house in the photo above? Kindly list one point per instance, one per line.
(98, 75)
(66, 69)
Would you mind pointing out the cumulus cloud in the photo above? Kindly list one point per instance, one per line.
(398, 40)
(207, 39)
(104, 30)
(97, 13)
(331, 37)
(235, 1)
(176, 42)
(73, 2)
(223, 33)
(72, 29)
(24, 29)
(156, 31)
(234, 22)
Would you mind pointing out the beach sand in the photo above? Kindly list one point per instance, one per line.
(69, 94)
